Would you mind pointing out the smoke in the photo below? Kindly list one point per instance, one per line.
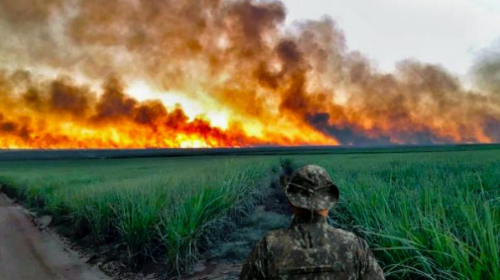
(297, 84)
(487, 70)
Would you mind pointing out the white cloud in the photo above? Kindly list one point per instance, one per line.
(447, 32)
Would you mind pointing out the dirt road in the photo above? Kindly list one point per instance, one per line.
(26, 253)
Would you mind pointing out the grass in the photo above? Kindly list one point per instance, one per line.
(149, 207)
(426, 215)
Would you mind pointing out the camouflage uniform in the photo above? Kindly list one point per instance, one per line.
(310, 248)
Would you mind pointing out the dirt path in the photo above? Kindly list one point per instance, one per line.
(26, 253)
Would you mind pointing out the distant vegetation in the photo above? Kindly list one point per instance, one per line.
(428, 215)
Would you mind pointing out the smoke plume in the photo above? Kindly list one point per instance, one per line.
(279, 84)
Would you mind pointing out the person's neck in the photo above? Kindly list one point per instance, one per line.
(312, 218)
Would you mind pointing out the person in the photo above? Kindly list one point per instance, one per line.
(310, 248)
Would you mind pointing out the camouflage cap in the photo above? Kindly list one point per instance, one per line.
(310, 187)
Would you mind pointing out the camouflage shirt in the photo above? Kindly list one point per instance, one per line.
(311, 249)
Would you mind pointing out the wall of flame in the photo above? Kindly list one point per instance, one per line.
(68, 67)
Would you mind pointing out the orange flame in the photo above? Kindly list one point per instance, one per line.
(277, 85)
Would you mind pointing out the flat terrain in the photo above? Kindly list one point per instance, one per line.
(28, 254)
(427, 212)
(16, 155)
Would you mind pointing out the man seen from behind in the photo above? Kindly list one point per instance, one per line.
(310, 248)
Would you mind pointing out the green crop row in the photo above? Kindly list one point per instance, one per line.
(155, 211)
(425, 215)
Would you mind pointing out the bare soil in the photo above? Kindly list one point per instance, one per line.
(211, 270)
(28, 253)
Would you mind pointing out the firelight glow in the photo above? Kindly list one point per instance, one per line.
(242, 73)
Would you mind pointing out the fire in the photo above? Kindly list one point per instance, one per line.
(218, 73)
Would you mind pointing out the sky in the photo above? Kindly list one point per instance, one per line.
(447, 32)
(190, 73)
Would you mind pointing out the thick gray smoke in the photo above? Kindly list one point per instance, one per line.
(240, 54)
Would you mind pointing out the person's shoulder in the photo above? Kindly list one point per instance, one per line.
(342, 233)
(279, 238)
(276, 234)
(347, 237)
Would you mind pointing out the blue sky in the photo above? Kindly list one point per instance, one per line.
(447, 32)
